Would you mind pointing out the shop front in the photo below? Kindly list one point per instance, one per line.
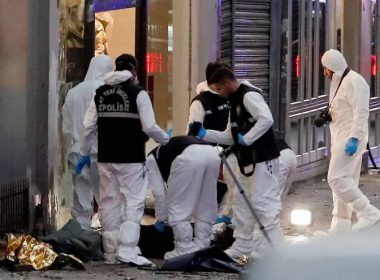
(141, 28)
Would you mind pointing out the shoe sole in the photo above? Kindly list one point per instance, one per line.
(132, 264)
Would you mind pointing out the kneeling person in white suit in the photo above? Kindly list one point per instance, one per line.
(189, 167)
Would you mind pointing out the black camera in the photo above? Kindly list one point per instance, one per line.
(323, 118)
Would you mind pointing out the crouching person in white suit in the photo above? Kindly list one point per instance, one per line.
(183, 176)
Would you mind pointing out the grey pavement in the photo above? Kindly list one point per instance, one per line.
(314, 195)
(99, 271)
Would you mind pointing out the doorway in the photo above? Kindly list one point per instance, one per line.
(145, 30)
(120, 27)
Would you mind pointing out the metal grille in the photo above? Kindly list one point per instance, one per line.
(14, 206)
(245, 39)
(307, 89)
(252, 41)
(226, 46)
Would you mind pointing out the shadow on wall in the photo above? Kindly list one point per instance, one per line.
(13, 140)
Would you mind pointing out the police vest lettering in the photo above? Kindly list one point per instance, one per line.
(120, 135)
(113, 108)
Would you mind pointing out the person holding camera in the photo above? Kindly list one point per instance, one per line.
(347, 113)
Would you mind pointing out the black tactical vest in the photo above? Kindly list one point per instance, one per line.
(166, 154)
(264, 148)
(216, 110)
(282, 145)
(120, 135)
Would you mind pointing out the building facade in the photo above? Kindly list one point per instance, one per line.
(46, 51)
(276, 45)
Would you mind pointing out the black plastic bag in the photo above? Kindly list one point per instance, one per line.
(208, 259)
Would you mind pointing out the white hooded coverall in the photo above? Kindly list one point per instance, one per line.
(197, 114)
(86, 185)
(349, 111)
(190, 193)
(122, 186)
(261, 188)
(287, 169)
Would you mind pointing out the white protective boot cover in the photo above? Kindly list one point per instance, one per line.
(261, 244)
(367, 214)
(239, 248)
(340, 225)
(110, 245)
(183, 235)
(202, 235)
(128, 251)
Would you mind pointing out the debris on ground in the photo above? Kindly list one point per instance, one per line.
(24, 252)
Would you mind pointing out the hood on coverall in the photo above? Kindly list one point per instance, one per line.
(201, 87)
(117, 77)
(77, 102)
(99, 66)
(350, 107)
(335, 61)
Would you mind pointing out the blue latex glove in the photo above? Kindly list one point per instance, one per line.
(241, 139)
(352, 146)
(202, 132)
(170, 132)
(223, 219)
(159, 226)
(84, 160)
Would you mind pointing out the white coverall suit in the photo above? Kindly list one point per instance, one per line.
(190, 193)
(261, 188)
(122, 186)
(86, 185)
(287, 169)
(197, 114)
(349, 111)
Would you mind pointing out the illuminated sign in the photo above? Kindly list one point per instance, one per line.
(109, 5)
(298, 66)
(154, 63)
(373, 65)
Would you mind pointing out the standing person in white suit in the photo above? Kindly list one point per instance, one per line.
(212, 110)
(122, 118)
(78, 99)
(250, 129)
(349, 111)
(287, 170)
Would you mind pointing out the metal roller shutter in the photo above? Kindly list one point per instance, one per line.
(226, 32)
(248, 22)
